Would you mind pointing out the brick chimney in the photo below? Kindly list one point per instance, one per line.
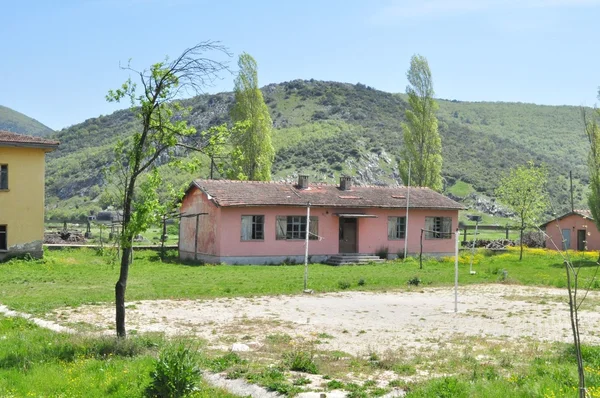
(345, 183)
(302, 181)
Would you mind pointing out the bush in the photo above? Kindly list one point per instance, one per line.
(344, 285)
(176, 373)
(301, 361)
(382, 252)
(534, 239)
(361, 282)
(414, 281)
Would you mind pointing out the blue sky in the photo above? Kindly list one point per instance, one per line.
(60, 58)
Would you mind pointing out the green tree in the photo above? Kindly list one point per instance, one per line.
(253, 152)
(592, 131)
(161, 127)
(523, 190)
(422, 147)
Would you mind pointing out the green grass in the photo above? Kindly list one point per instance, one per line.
(461, 189)
(35, 362)
(80, 276)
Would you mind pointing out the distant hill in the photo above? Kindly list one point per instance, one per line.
(325, 129)
(11, 120)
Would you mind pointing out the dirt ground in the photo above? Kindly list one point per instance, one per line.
(359, 322)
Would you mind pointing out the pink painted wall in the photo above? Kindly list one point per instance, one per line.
(573, 223)
(372, 232)
(208, 226)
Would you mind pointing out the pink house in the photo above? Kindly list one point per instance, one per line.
(574, 231)
(247, 222)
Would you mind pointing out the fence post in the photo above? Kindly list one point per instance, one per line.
(507, 231)
(465, 234)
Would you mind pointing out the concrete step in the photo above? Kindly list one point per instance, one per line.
(353, 259)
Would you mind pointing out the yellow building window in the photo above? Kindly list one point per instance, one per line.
(3, 176)
(3, 238)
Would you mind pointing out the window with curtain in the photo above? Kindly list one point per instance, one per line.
(396, 227)
(438, 227)
(253, 227)
(294, 227)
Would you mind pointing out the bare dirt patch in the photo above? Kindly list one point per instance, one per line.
(360, 322)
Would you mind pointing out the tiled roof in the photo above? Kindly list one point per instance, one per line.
(252, 193)
(583, 213)
(13, 139)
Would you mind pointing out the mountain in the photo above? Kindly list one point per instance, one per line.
(11, 120)
(325, 129)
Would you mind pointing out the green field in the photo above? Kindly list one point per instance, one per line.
(37, 362)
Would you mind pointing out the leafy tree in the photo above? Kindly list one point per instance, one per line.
(253, 152)
(422, 147)
(523, 190)
(161, 126)
(592, 131)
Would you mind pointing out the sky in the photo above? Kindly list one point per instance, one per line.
(60, 58)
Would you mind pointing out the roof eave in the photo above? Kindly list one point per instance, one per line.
(46, 147)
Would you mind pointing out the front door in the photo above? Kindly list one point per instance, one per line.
(566, 235)
(348, 228)
(581, 239)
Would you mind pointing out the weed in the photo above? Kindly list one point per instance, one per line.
(361, 282)
(335, 385)
(344, 285)
(414, 281)
(382, 252)
(301, 361)
(176, 373)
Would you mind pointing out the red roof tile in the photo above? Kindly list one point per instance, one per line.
(13, 139)
(252, 193)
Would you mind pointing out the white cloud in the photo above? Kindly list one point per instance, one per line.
(403, 9)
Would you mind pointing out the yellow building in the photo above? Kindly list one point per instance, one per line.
(22, 171)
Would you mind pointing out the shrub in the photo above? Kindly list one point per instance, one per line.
(414, 281)
(361, 282)
(344, 285)
(534, 239)
(301, 361)
(382, 252)
(176, 373)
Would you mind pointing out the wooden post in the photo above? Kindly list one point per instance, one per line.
(507, 230)
(421, 251)
(162, 238)
(465, 234)
(196, 239)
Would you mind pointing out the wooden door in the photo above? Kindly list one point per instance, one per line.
(581, 238)
(348, 229)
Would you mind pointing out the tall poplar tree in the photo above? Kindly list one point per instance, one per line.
(422, 143)
(253, 153)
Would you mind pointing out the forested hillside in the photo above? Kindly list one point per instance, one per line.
(11, 120)
(326, 129)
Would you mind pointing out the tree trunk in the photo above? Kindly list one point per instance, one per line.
(575, 329)
(521, 238)
(120, 288)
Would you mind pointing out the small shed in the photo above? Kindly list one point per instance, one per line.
(575, 230)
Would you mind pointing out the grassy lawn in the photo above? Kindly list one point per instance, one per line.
(35, 362)
(42, 363)
(80, 276)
